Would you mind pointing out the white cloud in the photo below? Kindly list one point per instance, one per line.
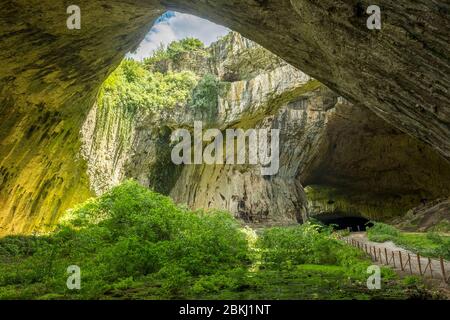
(176, 27)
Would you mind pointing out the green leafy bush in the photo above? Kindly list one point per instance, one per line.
(131, 87)
(129, 232)
(205, 94)
(174, 50)
(379, 228)
(306, 244)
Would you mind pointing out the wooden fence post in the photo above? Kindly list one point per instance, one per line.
(393, 258)
(418, 262)
(385, 253)
(443, 269)
(431, 267)
(379, 254)
(409, 262)
(401, 261)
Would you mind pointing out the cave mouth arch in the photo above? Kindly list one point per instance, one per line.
(48, 68)
(175, 26)
(344, 221)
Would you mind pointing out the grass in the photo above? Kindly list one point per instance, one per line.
(132, 243)
(430, 244)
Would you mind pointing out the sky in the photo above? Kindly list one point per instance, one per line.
(173, 26)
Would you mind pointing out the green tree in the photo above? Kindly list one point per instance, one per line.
(205, 95)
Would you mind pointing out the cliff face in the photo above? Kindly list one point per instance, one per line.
(350, 159)
(268, 94)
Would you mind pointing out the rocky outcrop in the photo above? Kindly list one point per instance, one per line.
(242, 190)
(428, 216)
(49, 78)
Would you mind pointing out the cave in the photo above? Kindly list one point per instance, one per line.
(399, 74)
(343, 221)
(94, 204)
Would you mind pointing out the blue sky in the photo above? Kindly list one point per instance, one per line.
(173, 26)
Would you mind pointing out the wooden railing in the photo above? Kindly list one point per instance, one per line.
(405, 261)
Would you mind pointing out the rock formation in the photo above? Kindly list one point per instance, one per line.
(49, 76)
(351, 160)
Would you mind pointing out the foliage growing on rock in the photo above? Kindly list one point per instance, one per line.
(206, 94)
(174, 50)
(131, 86)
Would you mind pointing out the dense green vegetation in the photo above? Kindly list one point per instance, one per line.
(441, 226)
(430, 244)
(131, 86)
(205, 95)
(135, 85)
(134, 243)
(174, 50)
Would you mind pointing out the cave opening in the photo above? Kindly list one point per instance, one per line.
(174, 26)
(344, 221)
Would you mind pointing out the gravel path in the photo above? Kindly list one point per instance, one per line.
(430, 268)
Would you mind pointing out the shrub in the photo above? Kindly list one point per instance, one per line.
(129, 232)
(379, 228)
(305, 244)
(131, 87)
(173, 50)
(205, 94)
(435, 237)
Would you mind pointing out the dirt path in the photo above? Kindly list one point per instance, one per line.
(429, 268)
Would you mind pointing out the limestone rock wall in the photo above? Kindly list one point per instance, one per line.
(277, 199)
(118, 145)
(49, 77)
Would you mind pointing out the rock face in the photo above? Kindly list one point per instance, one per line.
(265, 93)
(402, 73)
(365, 166)
(350, 160)
(49, 78)
(428, 216)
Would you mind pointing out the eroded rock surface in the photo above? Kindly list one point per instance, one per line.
(366, 166)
